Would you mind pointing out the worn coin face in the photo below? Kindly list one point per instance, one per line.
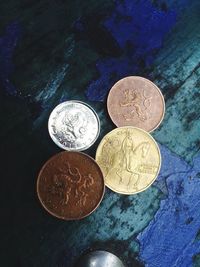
(70, 185)
(73, 125)
(129, 159)
(136, 101)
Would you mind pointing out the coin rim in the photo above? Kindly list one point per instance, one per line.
(39, 177)
(116, 257)
(159, 91)
(160, 163)
(74, 149)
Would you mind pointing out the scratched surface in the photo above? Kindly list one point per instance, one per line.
(51, 51)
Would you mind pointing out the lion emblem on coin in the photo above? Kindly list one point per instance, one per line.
(70, 182)
(74, 125)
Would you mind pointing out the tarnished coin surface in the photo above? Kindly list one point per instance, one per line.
(70, 185)
(136, 101)
(73, 125)
(129, 159)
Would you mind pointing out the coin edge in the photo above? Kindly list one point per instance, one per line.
(159, 91)
(80, 149)
(160, 163)
(61, 217)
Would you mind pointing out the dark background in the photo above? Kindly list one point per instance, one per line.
(52, 51)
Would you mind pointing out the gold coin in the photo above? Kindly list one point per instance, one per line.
(130, 160)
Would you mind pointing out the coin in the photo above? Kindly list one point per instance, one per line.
(99, 258)
(136, 101)
(73, 125)
(130, 160)
(70, 185)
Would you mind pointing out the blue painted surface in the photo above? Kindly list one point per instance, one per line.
(139, 29)
(170, 238)
(8, 44)
(65, 53)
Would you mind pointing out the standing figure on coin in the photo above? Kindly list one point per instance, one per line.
(134, 164)
(127, 165)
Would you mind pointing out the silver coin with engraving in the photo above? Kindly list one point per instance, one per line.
(74, 125)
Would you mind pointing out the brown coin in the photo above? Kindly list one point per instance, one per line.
(136, 101)
(70, 185)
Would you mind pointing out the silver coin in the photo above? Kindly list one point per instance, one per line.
(74, 125)
(99, 258)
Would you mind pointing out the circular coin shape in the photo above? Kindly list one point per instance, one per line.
(99, 258)
(73, 125)
(130, 160)
(136, 101)
(70, 185)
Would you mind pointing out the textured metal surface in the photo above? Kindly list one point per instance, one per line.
(99, 259)
(130, 160)
(70, 185)
(73, 125)
(136, 101)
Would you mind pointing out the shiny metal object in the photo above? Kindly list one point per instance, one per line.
(130, 160)
(136, 101)
(100, 258)
(73, 125)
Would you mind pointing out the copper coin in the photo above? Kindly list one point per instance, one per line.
(70, 185)
(136, 101)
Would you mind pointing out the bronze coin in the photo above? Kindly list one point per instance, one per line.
(70, 185)
(136, 101)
